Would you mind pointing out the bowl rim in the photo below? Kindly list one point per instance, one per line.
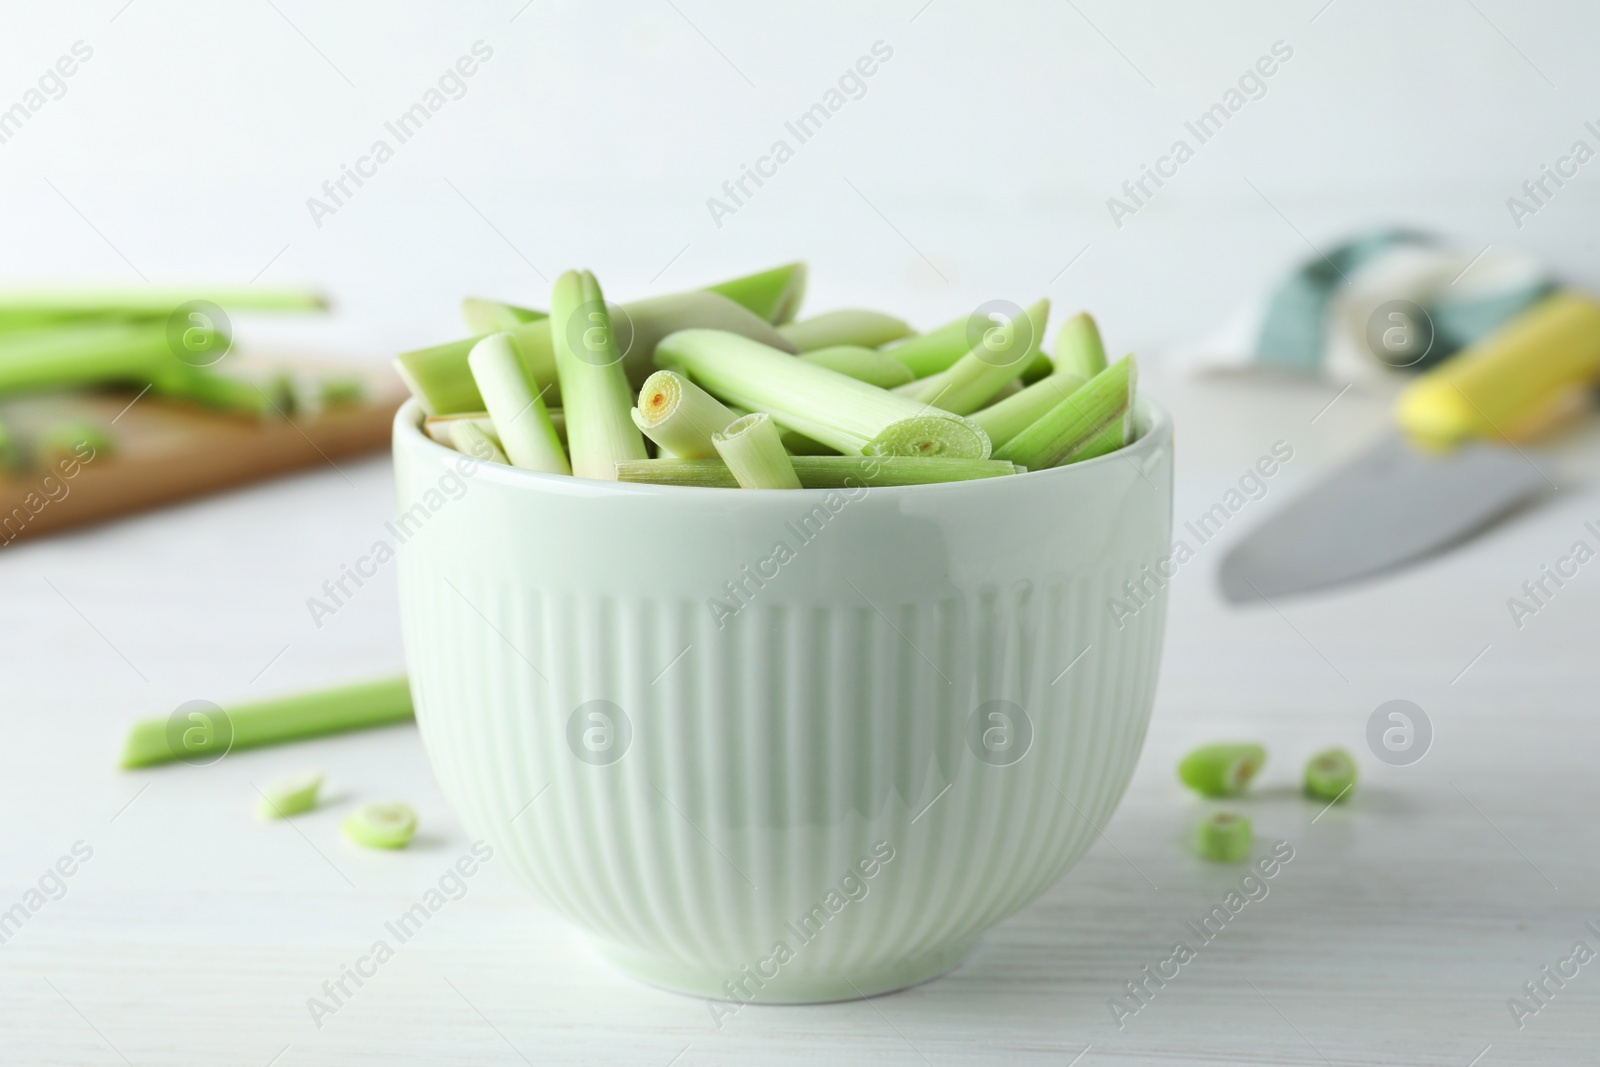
(1156, 434)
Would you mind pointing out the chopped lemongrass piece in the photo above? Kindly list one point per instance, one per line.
(1223, 837)
(1330, 775)
(774, 294)
(850, 326)
(438, 426)
(679, 416)
(72, 439)
(1079, 349)
(997, 359)
(491, 316)
(929, 353)
(469, 437)
(863, 364)
(824, 405)
(290, 796)
(1221, 770)
(516, 407)
(1072, 429)
(153, 301)
(751, 448)
(820, 472)
(442, 382)
(594, 387)
(388, 825)
(1006, 418)
(270, 722)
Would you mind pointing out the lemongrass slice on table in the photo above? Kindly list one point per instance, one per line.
(999, 357)
(596, 397)
(774, 295)
(1222, 769)
(516, 406)
(848, 326)
(1079, 349)
(1006, 418)
(826, 406)
(752, 450)
(863, 364)
(820, 472)
(1223, 837)
(1330, 775)
(679, 416)
(293, 795)
(1081, 425)
(492, 316)
(389, 825)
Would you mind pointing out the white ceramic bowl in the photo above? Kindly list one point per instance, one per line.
(904, 722)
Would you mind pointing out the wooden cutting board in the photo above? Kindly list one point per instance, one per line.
(165, 450)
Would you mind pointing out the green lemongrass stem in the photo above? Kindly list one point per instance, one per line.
(1223, 769)
(597, 399)
(1330, 775)
(850, 326)
(492, 316)
(774, 295)
(863, 364)
(998, 359)
(752, 450)
(934, 351)
(1223, 837)
(679, 416)
(266, 393)
(1006, 418)
(470, 438)
(68, 438)
(1071, 430)
(389, 825)
(152, 301)
(824, 405)
(1079, 349)
(289, 796)
(516, 406)
(442, 382)
(268, 722)
(80, 355)
(820, 472)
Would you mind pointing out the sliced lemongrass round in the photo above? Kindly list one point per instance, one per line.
(849, 326)
(820, 472)
(516, 405)
(751, 448)
(999, 357)
(388, 825)
(1079, 349)
(1223, 837)
(1221, 770)
(1006, 418)
(472, 438)
(491, 316)
(290, 796)
(1331, 774)
(679, 416)
(594, 386)
(1076, 428)
(863, 364)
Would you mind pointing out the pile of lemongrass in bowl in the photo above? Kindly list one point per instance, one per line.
(779, 746)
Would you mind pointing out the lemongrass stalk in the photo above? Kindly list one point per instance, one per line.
(263, 392)
(267, 722)
(753, 452)
(154, 301)
(442, 382)
(998, 359)
(929, 353)
(470, 438)
(774, 295)
(492, 316)
(1072, 430)
(1222, 769)
(516, 406)
(827, 406)
(863, 364)
(850, 326)
(820, 472)
(80, 355)
(594, 386)
(679, 416)
(1079, 349)
(66, 439)
(1006, 418)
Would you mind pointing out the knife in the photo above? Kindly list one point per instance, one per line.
(1450, 469)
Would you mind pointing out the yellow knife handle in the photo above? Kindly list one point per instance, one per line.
(1512, 374)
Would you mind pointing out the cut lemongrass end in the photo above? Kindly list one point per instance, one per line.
(491, 316)
(1006, 418)
(389, 825)
(1072, 429)
(472, 438)
(268, 722)
(863, 364)
(71, 439)
(752, 450)
(849, 326)
(1079, 349)
(1223, 837)
(1221, 770)
(826, 406)
(679, 416)
(289, 796)
(516, 406)
(820, 472)
(1330, 775)
(594, 387)
(774, 295)
(1000, 355)
(929, 353)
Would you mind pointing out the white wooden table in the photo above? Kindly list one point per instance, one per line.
(1396, 935)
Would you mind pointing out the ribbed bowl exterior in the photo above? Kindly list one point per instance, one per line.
(783, 746)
